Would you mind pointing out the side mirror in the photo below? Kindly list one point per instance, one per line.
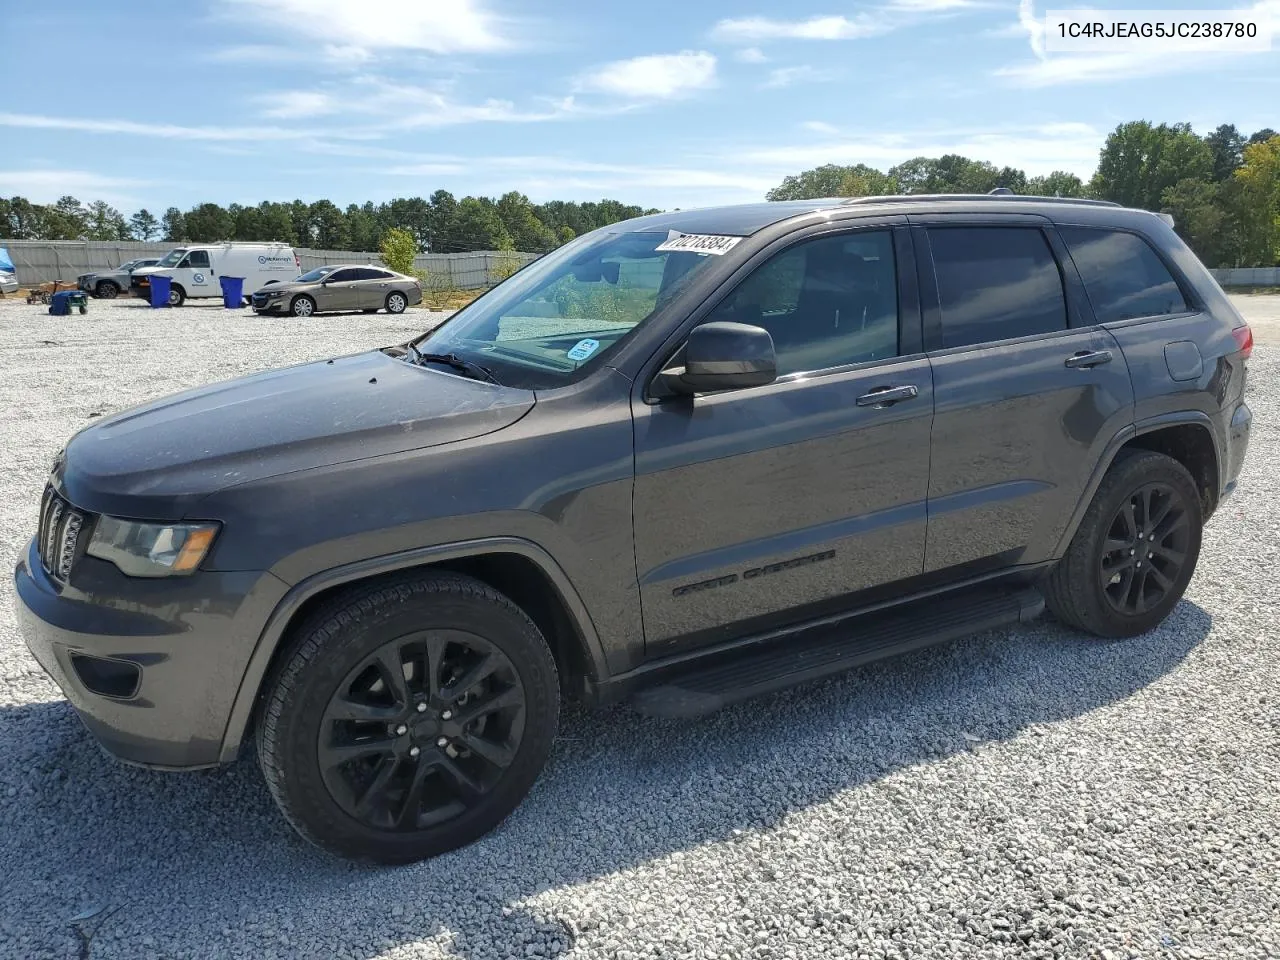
(723, 356)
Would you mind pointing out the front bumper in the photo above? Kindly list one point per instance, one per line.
(186, 639)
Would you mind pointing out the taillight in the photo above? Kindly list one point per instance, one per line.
(1244, 341)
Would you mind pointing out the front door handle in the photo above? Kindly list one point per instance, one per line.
(1088, 358)
(887, 396)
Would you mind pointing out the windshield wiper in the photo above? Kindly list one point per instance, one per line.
(461, 364)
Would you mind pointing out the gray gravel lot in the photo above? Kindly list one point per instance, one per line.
(1025, 793)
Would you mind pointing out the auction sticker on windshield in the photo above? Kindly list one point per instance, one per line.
(583, 349)
(697, 243)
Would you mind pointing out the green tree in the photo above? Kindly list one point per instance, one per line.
(1140, 161)
(412, 214)
(1226, 144)
(24, 221)
(1262, 136)
(328, 225)
(65, 220)
(864, 181)
(174, 225)
(362, 226)
(441, 217)
(1200, 219)
(1057, 184)
(566, 234)
(398, 250)
(208, 223)
(821, 181)
(275, 223)
(143, 225)
(104, 222)
(528, 233)
(477, 226)
(1257, 204)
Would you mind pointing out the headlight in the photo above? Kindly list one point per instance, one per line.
(273, 293)
(151, 549)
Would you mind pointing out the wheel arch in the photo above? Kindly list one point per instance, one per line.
(1186, 436)
(516, 567)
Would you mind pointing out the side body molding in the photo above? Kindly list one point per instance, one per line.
(273, 632)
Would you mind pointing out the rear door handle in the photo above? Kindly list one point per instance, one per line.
(1088, 358)
(887, 396)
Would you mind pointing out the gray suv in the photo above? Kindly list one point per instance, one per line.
(681, 460)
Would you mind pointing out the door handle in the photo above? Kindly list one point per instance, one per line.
(887, 396)
(1088, 358)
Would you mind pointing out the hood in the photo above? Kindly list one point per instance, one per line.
(159, 459)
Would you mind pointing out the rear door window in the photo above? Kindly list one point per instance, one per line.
(996, 283)
(1122, 275)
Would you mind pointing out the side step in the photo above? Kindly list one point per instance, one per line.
(822, 651)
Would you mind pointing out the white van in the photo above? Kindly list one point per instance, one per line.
(194, 269)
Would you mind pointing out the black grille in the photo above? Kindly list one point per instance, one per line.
(58, 538)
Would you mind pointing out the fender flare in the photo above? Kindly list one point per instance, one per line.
(1112, 450)
(272, 633)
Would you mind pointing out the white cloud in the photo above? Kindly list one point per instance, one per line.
(750, 55)
(1036, 149)
(658, 77)
(788, 76)
(434, 26)
(821, 126)
(754, 29)
(168, 131)
(876, 20)
(46, 186)
(293, 104)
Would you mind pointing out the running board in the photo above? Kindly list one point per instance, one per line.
(831, 649)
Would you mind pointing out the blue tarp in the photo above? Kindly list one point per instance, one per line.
(5, 262)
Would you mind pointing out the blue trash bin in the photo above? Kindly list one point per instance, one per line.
(160, 291)
(60, 303)
(232, 292)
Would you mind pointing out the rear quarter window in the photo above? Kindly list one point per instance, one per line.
(1122, 274)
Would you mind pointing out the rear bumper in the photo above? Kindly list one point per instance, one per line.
(184, 659)
(1238, 431)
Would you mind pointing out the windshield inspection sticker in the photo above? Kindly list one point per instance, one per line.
(697, 243)
(583, 349)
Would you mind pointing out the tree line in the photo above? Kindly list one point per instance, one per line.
(1223, 189)
(438, 224)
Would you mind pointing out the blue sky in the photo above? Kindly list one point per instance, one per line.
(663, 103)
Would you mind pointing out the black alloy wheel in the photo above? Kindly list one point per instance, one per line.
(421, 729)
(1145, 549)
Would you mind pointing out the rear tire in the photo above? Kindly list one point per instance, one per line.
(396, 302)
(302, 306)
(1135, 551)
(374, 766)
(106, 290)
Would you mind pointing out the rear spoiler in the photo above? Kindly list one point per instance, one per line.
(1166, 217)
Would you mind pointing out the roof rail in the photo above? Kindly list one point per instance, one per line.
(1000, 197)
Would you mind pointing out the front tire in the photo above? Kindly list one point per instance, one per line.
(1135, 551)
(302, 306)
(106, 290)
(177, 296)
(410, 718)
(396, 302)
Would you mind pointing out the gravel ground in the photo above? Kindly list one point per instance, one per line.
(1024, 793)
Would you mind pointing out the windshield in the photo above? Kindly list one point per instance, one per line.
(172, 257)
(314, 276)
(567, 310)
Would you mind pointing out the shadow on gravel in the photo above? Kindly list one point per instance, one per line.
(203, 865)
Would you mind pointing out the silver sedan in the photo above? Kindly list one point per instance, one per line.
(341, 287)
